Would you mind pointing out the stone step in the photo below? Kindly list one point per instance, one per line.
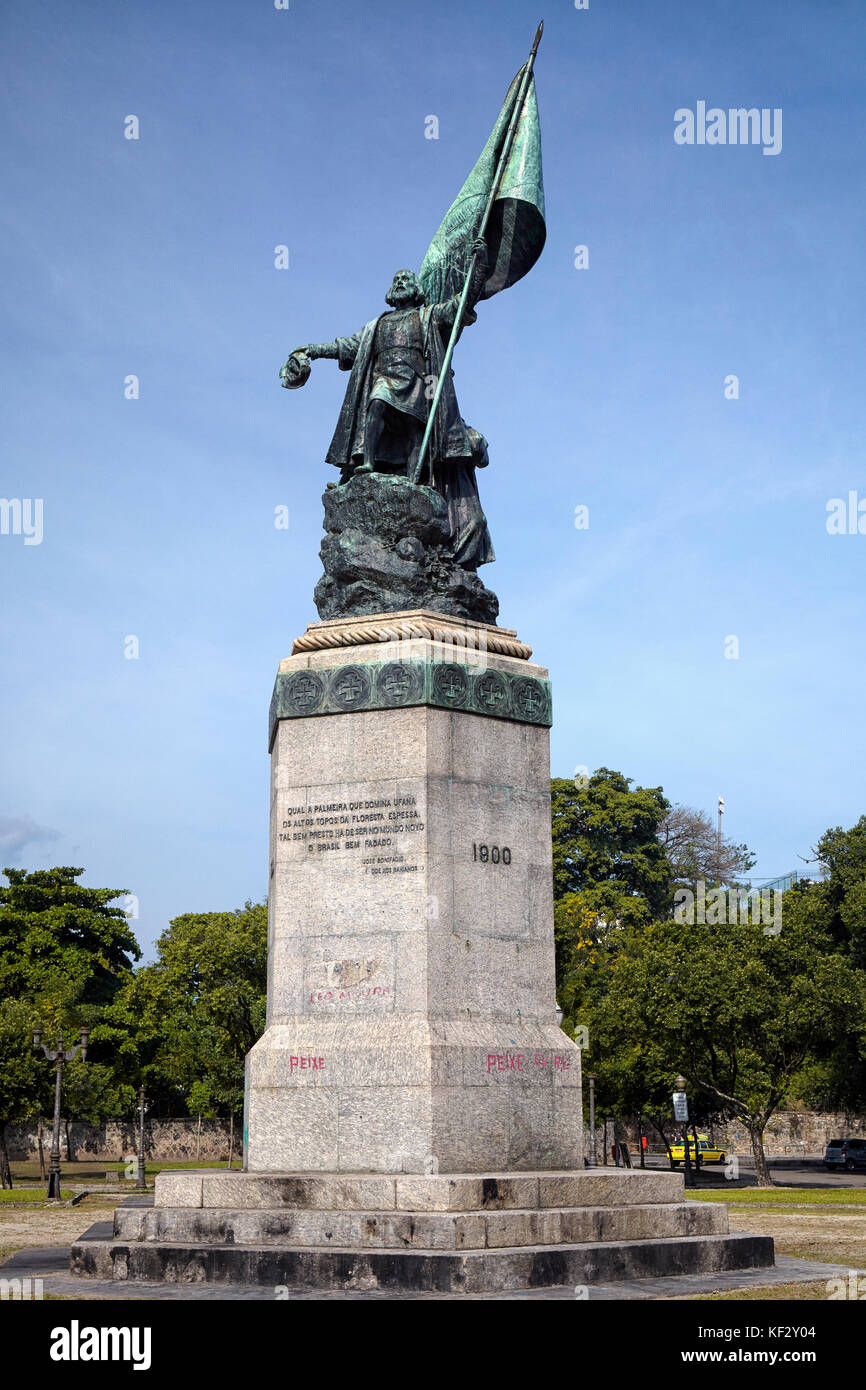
(421, 1230)
(457, 1192)
(475, 1271)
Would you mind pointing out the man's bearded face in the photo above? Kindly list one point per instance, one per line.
(405, 291)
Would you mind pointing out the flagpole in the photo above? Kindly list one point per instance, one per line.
(461, 308)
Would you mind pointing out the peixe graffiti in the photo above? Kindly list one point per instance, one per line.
(525, 1061)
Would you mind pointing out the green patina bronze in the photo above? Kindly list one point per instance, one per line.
(400, 419)
(397, 684)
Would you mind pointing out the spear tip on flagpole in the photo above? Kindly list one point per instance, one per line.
(537, 40)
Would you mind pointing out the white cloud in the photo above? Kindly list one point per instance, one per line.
(18, 831)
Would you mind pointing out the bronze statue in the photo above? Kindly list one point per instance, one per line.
(404, 524)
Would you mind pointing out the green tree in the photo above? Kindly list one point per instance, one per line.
(54, 933)
(737, 1011)
(184, 1025)
(65, 951)
(836, 905)
(24, 1083)
(609, 869)
(835, 908)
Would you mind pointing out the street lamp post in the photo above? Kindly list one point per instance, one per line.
(141, 1181)
(60, 1056)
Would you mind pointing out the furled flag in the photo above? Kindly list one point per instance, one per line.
(515, 231)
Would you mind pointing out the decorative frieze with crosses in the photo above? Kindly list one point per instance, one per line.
(397, 684)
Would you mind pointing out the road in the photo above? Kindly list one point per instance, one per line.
(788, 1172)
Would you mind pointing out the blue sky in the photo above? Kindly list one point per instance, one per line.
(601, 387)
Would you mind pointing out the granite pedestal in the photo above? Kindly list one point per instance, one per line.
(413, 1113)
(411, 1000)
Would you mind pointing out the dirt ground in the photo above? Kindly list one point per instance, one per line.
(809, 1233)
(22, 1226)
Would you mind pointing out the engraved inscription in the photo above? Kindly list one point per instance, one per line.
(374, 823)
(350, 985)
(491, 854)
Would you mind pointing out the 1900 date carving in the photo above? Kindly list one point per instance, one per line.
(491, 854)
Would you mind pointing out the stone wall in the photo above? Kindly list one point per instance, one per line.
(789, 1133)
(115, 1140)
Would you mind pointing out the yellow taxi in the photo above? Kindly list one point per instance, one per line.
(709, 1153)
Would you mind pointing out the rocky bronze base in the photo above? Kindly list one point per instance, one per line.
(386, 550)
(451, 1234)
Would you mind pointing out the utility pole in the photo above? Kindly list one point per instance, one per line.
(719, 841)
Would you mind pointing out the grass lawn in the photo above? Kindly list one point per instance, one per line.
(825, 1223)
(93, 1169)
(782, 1196)
(30, 1195)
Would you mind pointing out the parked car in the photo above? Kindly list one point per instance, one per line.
(845, 1153)
(709, 1153)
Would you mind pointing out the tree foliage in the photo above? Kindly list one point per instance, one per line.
(58, 935)
(609, 868)
(734, 1009)
(691, 843)
(183, 1025)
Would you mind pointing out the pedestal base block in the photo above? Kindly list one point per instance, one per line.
(462, 1233)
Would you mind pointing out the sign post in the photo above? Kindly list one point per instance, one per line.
(681, 1115)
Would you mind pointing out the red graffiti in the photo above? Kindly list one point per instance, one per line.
(505, 1061)
(515, 1061)
(306, 1063)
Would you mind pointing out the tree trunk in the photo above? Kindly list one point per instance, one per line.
(41, 1147)
(762, 1172)
(70, 1152)
(231, 1137)
(661, 1130)
(198, 1140)
(5, 1170)
(640, 1141)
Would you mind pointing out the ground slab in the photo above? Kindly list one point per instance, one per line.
(51, 1264)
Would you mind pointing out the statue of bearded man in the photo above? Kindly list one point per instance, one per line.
(395, 362)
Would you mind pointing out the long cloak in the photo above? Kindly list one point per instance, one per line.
(450, 439)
